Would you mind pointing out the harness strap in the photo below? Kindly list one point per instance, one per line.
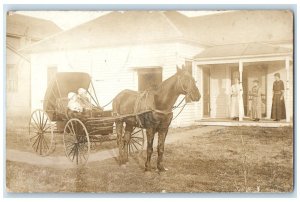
(138, 103)
(187, 91)
(162, 112)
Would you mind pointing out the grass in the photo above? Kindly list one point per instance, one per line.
(219, 161)
(19, 140)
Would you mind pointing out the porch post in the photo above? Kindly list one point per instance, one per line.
(287, 89)
(241, 83)
(198, 112)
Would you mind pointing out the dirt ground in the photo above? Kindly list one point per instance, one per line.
(232, 159)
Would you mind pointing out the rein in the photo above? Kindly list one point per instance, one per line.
(187, 92)
(107, 104)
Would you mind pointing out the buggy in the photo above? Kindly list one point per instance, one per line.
(79, 131)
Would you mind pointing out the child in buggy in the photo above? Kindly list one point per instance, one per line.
(80, 106)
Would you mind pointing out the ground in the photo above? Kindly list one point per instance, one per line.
(199, 159)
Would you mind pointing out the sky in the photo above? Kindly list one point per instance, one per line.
(68, 19)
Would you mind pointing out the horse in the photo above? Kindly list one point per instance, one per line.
(159, 103)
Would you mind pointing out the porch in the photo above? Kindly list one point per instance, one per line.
(216, 67)
(245, 122)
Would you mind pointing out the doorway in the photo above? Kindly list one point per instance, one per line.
(149, 78)
(251, 72)
(255, 71)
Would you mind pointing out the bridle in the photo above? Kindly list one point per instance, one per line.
(187, 91)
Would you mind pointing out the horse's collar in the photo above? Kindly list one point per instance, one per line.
(162, 111)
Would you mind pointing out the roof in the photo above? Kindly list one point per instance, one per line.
(240, 50)
(35, 28)
(136, 27)
(62, 84)
(115, 28)
(244, 26)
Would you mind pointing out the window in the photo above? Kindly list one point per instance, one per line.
(51, 71)
(12, 78)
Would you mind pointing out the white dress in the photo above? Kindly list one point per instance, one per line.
(73, 105)
(237, 106)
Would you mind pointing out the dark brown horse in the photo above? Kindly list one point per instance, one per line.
(160, 103)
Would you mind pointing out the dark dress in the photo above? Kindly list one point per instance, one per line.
(278, 106)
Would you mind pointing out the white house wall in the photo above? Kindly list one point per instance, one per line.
(192, 111)
(18, 103)
(113, 69)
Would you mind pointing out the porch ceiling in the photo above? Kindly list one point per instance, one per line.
(242, 50)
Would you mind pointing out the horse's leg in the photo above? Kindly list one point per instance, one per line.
(127, 136)
(150, 137)
(120, 142)
(160, 149)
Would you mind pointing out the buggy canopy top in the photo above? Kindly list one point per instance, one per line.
(62, 84)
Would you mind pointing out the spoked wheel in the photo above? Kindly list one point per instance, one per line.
(76, 142)
(137, 140)
(41, 132)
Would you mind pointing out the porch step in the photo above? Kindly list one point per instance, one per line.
(244, 123)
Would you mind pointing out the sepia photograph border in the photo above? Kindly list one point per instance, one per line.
(194, 7)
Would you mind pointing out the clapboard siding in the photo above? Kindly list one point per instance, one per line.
(191, 112)
(114, 69)
(18, 102)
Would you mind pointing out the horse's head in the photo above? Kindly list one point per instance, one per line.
(186, 85)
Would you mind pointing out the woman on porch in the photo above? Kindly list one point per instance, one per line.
(278, 106)
(237, 106)
(256, 101)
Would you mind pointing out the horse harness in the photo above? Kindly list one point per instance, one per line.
(145, 95)
(188, 90)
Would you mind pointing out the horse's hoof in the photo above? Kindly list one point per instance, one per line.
(162, 169)
(147, 172)
(147, 169)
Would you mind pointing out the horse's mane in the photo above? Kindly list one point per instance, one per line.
(163, 84)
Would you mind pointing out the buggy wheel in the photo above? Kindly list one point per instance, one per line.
(76, 142)
(137, 139)
(41, 134)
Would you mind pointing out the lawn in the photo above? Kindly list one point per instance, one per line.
(233, 159)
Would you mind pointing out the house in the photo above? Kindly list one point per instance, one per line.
(21, 31)
(127, 49)
(262, 46)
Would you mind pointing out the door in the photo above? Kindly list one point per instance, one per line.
(149, 78)
(206, 92)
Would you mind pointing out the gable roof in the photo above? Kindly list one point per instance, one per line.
(21, 25)
(115, 28)
(136, 27)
